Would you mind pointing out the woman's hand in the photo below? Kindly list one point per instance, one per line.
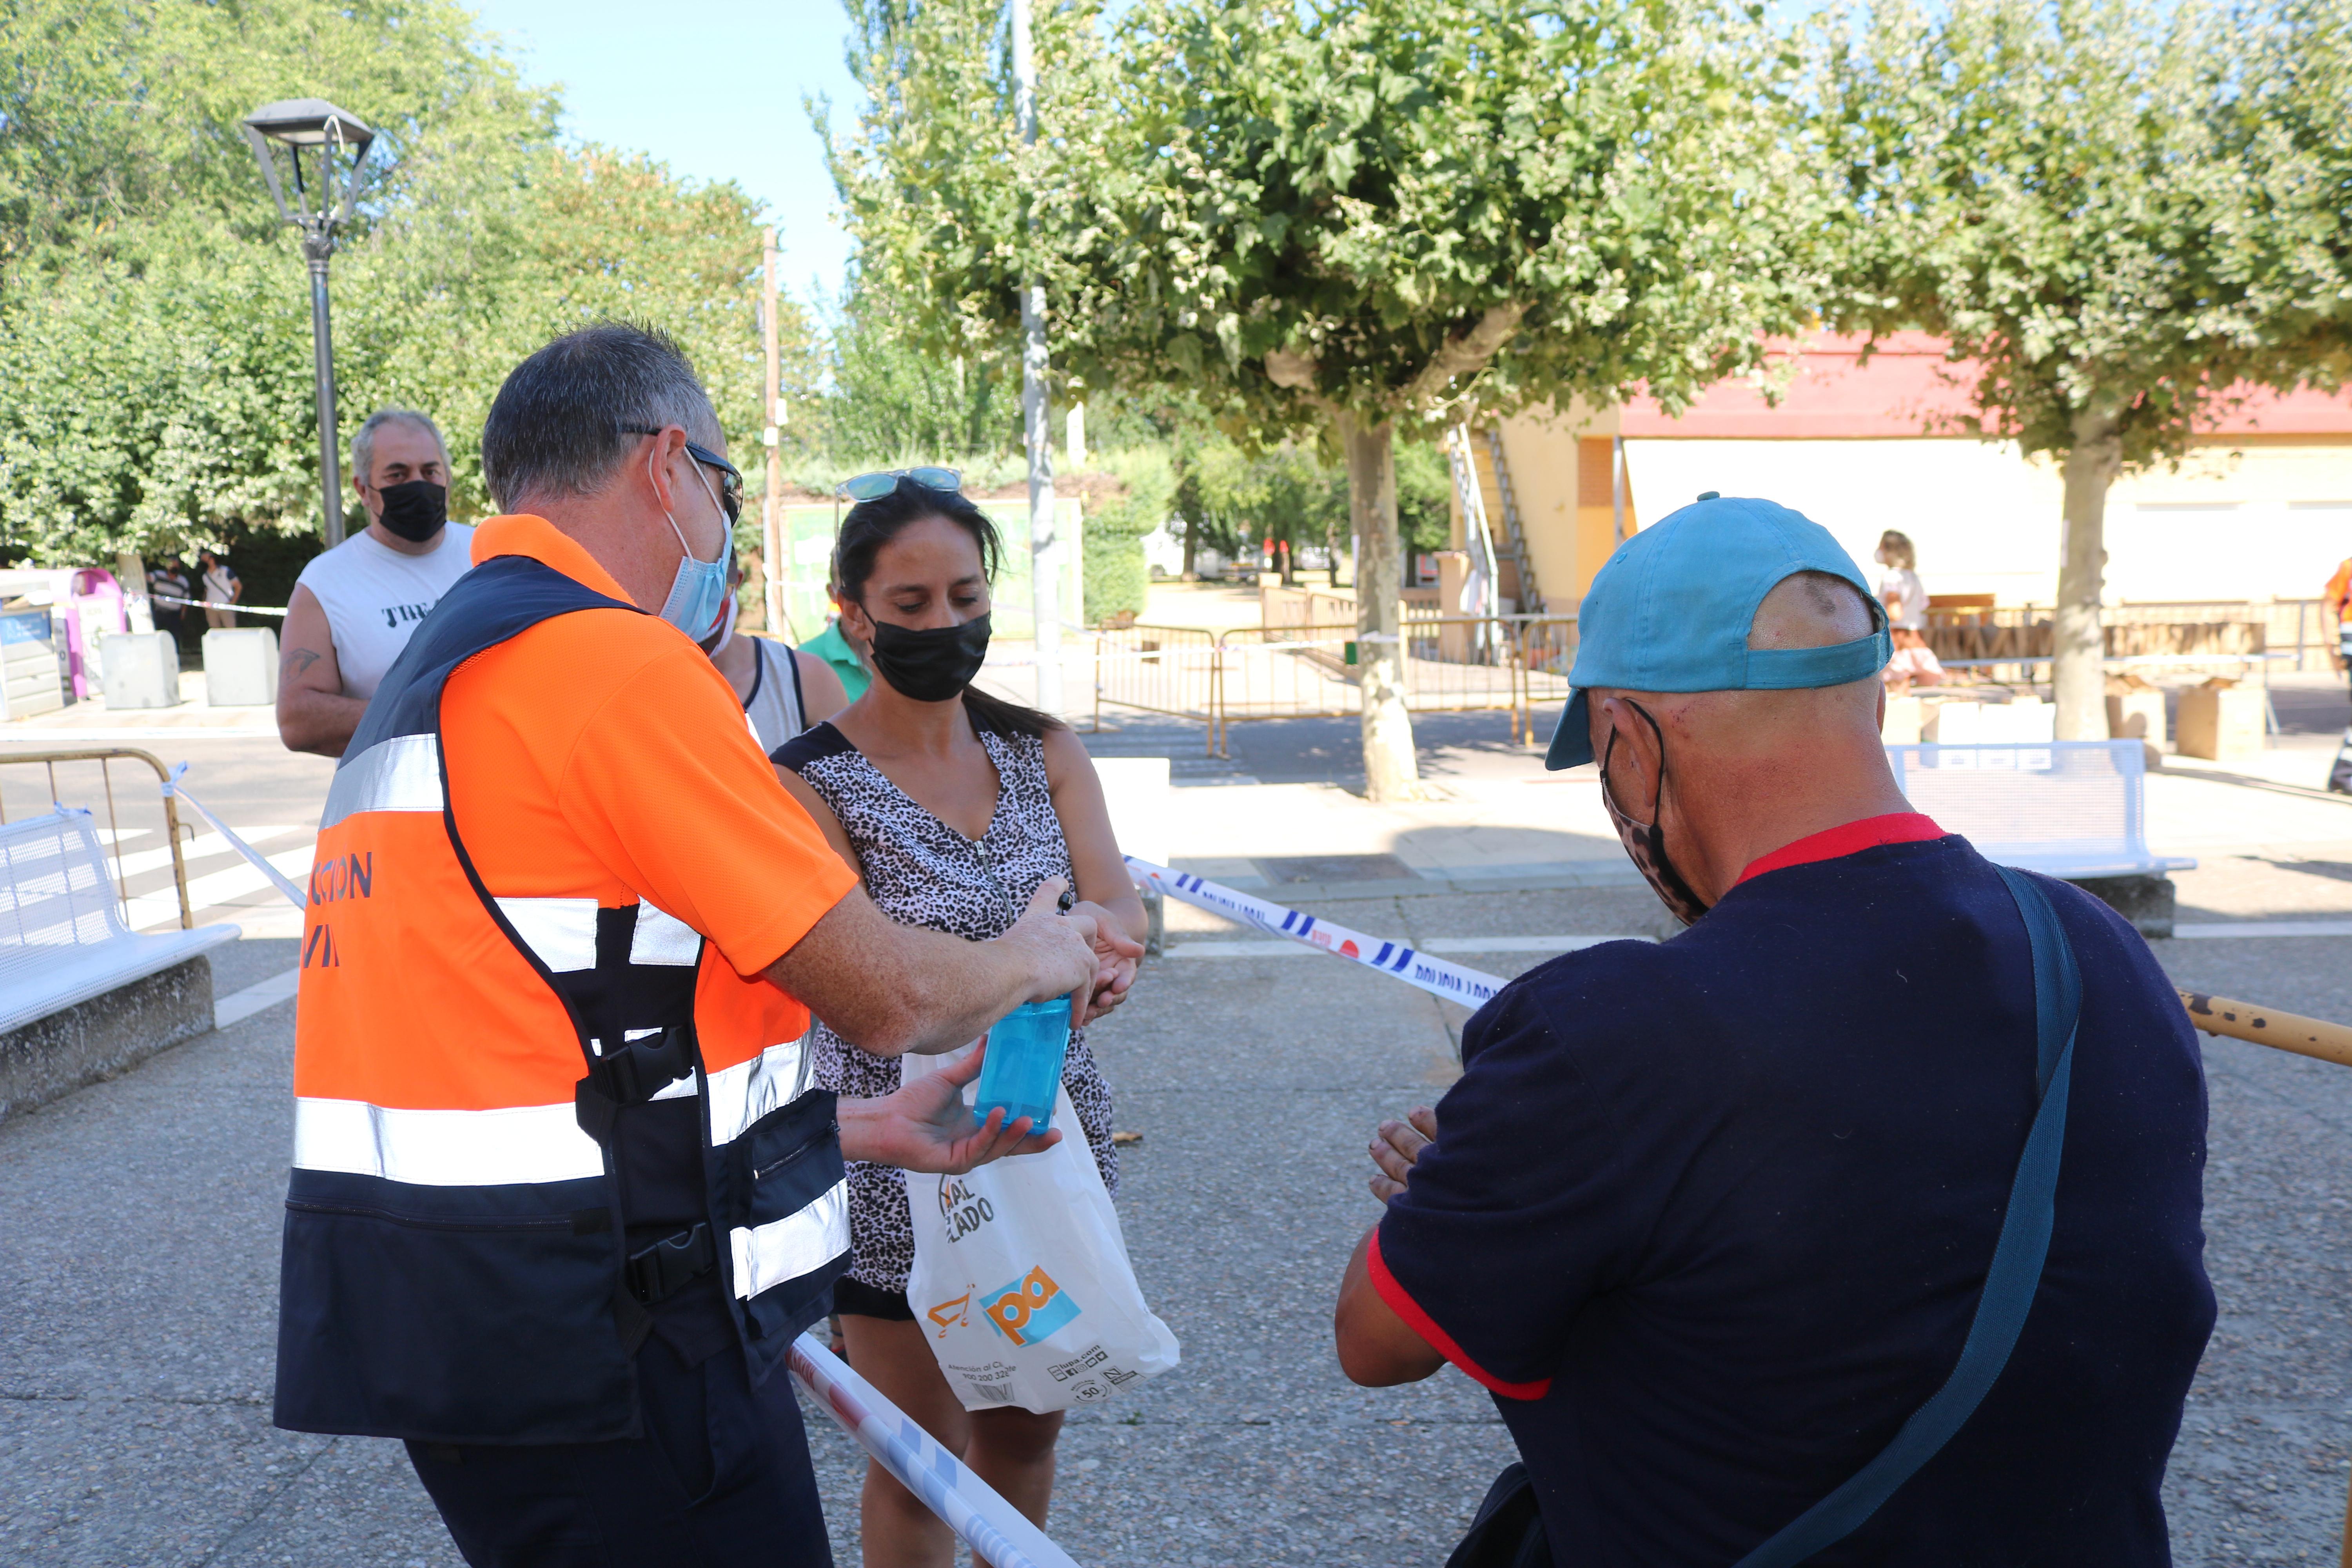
(926, 1126)
(1117, 955)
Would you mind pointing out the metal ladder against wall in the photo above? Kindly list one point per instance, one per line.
(1469, 494)
(1513, 544)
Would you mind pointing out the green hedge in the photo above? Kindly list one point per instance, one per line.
(1128, 496)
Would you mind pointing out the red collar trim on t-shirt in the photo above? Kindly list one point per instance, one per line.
(1852, 837)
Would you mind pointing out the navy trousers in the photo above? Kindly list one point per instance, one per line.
(721, 1479)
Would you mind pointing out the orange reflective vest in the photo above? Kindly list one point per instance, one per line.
(496, 1097)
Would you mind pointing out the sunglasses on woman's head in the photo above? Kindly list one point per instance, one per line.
(875, 486)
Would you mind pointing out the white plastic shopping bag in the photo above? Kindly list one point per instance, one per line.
(1021, 1281)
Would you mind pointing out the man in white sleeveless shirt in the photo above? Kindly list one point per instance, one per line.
(354, 608)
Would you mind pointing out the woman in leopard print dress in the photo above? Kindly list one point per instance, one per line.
(955, 808)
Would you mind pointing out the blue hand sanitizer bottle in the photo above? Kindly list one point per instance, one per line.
(1023, 1069)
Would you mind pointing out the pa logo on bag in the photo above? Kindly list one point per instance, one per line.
(1028, 1310)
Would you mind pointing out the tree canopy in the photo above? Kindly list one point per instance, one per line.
(1347, 220)
(2126, 213)
(154, 324)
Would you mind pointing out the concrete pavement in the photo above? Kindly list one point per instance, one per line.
(137, 1251)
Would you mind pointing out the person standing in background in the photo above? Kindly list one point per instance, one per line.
(782, 690)
(354, 606)
(222, 588)
(2337, 601)
(845, 659)
(167, 592)
(1899, 588)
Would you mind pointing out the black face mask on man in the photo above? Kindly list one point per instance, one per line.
(933, 664)
(415, 510)
(1645, 844)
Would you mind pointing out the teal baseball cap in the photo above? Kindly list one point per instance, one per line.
(1670, 611)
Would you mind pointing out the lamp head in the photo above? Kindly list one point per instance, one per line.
(309, 123)
(301, 124)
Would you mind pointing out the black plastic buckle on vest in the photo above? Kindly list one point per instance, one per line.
(634, 1071)
(671, 1264)
(631, 1073)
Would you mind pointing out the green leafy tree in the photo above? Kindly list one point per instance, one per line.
(154, 329)
(893, 404)
(2122, 213)
(1349, 220)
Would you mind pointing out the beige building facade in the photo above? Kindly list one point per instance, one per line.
(2260, 509)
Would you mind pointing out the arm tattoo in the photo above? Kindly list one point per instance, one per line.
(300, 659)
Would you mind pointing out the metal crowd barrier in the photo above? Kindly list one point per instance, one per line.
(1454, 664)
(102, 757)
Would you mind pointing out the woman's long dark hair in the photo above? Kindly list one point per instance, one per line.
(871, 524)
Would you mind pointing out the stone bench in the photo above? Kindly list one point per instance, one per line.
(82, 996)
(2071, 809)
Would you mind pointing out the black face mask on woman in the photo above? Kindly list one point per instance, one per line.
(1646, 844)
(416, 510)
(933, 664)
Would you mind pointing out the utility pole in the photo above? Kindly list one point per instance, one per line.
(1045, 549)
(771, 437)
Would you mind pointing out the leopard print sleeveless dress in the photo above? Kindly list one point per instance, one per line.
(922, 872)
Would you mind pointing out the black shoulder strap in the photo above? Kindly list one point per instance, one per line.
(2017, 1258)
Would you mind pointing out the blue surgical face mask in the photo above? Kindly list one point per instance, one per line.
(698, 595)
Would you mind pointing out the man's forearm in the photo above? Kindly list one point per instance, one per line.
(891, 988)
(953, 989)
(320, 721)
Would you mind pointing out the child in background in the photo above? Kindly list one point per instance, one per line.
(1905, 596)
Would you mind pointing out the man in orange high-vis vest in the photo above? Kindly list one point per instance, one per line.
(560, 1200)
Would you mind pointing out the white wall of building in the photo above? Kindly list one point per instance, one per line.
(2258, 522)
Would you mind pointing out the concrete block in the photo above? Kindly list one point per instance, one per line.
(2222, 723)
(2145, 900)
(102, 1036)
(29, 682)
(1135, 789)
(143, 670)
(240, 667)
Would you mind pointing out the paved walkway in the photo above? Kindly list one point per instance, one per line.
(136, 1273)
(138, 1257)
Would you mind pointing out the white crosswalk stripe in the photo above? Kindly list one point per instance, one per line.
(239, 1006)
(215, 889)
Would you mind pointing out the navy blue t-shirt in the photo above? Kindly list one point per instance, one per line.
(1710, 1217)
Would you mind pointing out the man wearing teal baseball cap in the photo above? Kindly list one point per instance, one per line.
(1756, 1235)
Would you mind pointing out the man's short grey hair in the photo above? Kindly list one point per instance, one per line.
(572, 412)
(364, 443)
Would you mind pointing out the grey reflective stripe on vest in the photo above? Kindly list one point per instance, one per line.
(560, 932)
(663, 939)
(402, 774)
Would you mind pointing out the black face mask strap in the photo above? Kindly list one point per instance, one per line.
(1668, 873)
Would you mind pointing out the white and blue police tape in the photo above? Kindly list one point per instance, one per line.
(994, 1530)
(172, 786)
(1452, 980)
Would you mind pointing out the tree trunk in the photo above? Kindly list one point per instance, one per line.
(1390, 772)
(2078, 674)
(1192, 548)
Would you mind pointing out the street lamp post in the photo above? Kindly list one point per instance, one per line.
(301, 124)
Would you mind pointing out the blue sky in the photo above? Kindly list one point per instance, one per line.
(676, 83)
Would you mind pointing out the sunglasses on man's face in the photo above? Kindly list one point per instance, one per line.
(875, 486)
(731, 478)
